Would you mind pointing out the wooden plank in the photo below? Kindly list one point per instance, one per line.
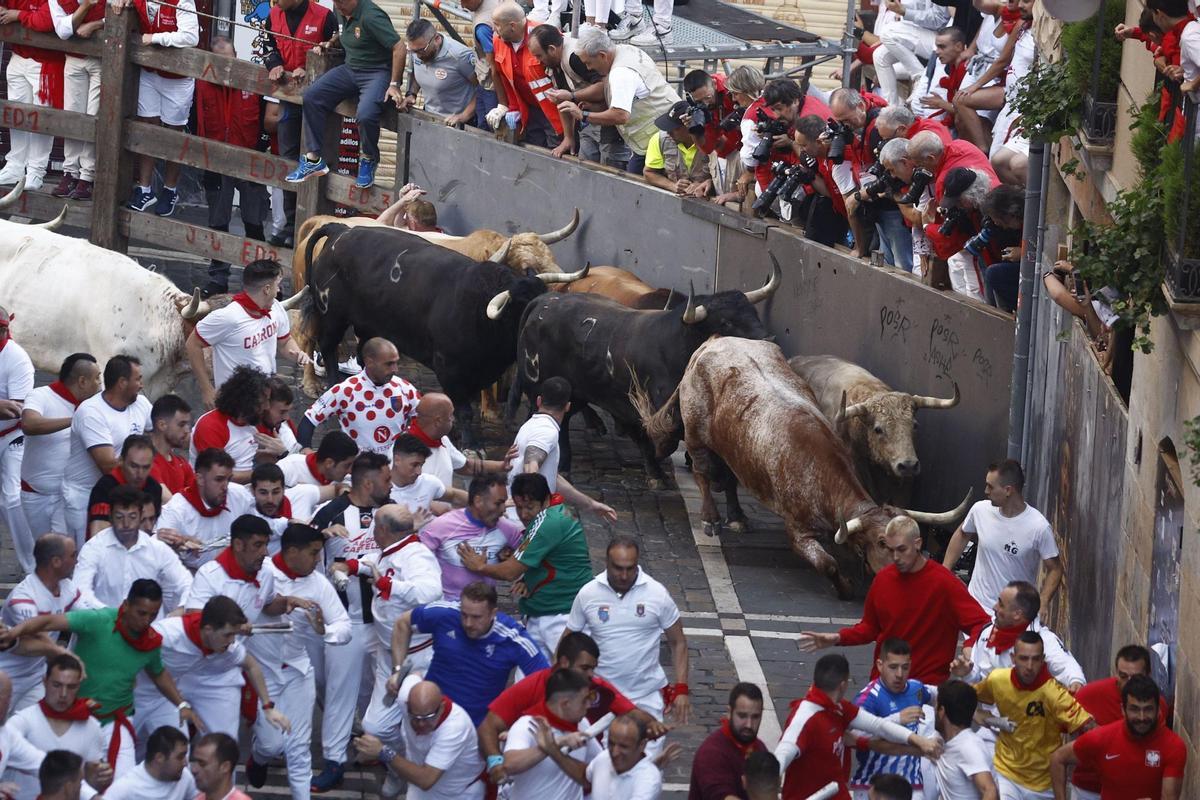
(40, 206)
(19, 35)
(204, 242)
(118, 102)
(373, 201)
(348, 108)
(196, 151)
(224, 70)
(48, 121)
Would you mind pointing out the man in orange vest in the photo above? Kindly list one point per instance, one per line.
(521, 81)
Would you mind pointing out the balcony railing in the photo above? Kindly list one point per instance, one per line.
(1183, 248)
(1099, 120)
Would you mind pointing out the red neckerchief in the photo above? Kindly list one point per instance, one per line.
(400, 545)
(953, 80)
(744, 749)
(1042, 678)
(118, 475)
(285, 509)
(277, 560)
(191, 627)
(556, 722)
(232, 568)
(192, 495)
(554, 499)
(1003, 639)
(252, 308)
(149, 640)
(426, 439)
(1009, 17)
(79, 711)
(826, 702)
(261, 428)
(311, 461)
(60, 389)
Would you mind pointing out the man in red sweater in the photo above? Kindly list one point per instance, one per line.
(914, 599)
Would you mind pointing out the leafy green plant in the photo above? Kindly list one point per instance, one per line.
(1191, 442)
(1173, 184)
(1048, 103)
(1149, 135)
(1079, 49)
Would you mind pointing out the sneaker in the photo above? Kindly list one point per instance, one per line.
(32, 184)
(281, 240)
(366, 173)
(165, 206)
(141, 199)
(307, 169)
(318, 363)
(256, 774)
(65, 186)
(652, 35)
(631, 24)
(350, 366)
(329, 778)
(11, 174)
(82, 191)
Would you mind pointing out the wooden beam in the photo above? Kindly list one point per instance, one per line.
(204, 242)
(40, 206)
(20, 35)
(223, 70)
(348, 108)
(48, 121)
(196, 151)
(118, 102)
(341, 190)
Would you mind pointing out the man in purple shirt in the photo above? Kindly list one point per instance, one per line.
(481, 525)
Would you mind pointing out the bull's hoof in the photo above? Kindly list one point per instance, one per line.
(737, 525)
(711, 528)
(491, 415)
(654, 484)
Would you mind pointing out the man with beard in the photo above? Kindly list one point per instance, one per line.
(198, 519)
(171, 433)
(720, 761)
(279, 506)
(231, 425)
(133, 469)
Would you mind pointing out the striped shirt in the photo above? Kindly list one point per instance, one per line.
(883, 702)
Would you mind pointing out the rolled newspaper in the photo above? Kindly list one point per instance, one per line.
(824, 793)
(271, 627)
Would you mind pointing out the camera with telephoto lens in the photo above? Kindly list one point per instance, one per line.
(699, 115)
(956, 218)
(977, 243)
(732, 120)
(787, 180)
(917, 184)
(884, 184)
(768, 128)
(840, 136)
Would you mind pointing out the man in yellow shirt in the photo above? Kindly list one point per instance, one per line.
(1040, 711)
(673, 160)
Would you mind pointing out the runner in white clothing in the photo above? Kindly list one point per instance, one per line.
(16, 382)
(46, 422)
(964, 772)
(163, 775)
(279, 506)
(434, 421)
(624, 771)
(329, 464)
(239, 572)
(534, 752)
(413, 488)
(197, 520)
(15, 752)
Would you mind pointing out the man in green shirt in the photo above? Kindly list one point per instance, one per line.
(115, 644)
(549, 566)
(375, 56)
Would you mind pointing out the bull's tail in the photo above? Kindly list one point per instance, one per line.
(662, 424)
(330, 230)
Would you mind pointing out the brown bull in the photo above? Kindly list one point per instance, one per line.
(748, 416)
(624, 287)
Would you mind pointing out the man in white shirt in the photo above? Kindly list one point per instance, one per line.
(533, 752)
(98, 429)
(964, 772)
(624, 771)
(627, 612)
(250, 331)
(230, 425)
(415, 489)
(163, 775)
(1012, 539)
(432, 426)
(46, 422)
(15, 752)
(329, 464)
(315, 612)
(440, 758)
(64, 721)
(238, 572)
(373, 407)
(60, 777)
(198, 518)
(116, 557)
(16, 382)
(279, 506)
(49, 590)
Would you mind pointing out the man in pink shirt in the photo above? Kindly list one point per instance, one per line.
(214, 758)
(481, 525)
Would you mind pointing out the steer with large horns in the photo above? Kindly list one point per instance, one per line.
(455, 315)
(69, 296)
(874, 420)
(749, 418)
(607, 350)
(9, 202)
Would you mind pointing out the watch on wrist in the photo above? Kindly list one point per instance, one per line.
(387, 754)
(183, 705)
(583, 117)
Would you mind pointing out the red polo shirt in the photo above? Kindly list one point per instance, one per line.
(1131, 767)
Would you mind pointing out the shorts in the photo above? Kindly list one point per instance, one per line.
(1011, 790)
(168, 99)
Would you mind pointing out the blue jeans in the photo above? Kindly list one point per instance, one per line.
(895, 239)
(341, 83)
(1003, 279)
(637, 164)
(485, 101)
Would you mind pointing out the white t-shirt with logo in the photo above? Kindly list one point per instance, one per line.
(239, 339)
(96, 423)
(540, 431)
(418, 494)
(545, 779)
(964, 756)
(47, 454)
(1007, 550)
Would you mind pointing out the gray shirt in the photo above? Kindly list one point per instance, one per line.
(446, 78)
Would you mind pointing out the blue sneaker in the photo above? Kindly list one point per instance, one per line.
(307, 169)
(141, 199)
(366, 173)
(165, 206)
(329, 778)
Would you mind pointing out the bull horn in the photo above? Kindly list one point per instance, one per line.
(693, 313)
(12, 197)
(850, 412)
(501, 254)
(496, 306)
(294, 300)
(52, 225)
(920, 401)
(845, 529)
(196, 308)
(944, 518)
(565, 277)
(561, 233)
(758, 295)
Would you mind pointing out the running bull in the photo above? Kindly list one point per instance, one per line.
(875, 421)
(455, 315)
(606, 350)
(624, 287)
(749, 418)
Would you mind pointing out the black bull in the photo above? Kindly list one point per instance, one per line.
(607, 351)
(457, 316)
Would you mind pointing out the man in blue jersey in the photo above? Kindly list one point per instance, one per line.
(895, 697)
(475, 648)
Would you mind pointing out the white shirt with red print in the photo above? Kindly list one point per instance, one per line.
(215, 429)
(242, 334)
(370, 414)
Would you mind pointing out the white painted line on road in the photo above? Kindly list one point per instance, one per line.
(699, 614)
(786, 618)
(675, 787)
(746, 662)
(717, 632)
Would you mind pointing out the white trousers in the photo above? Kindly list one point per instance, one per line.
(294, 698)
(899, 58)
(81, 92)
(663, 11)
(124, 737)
(546, 631)
(1011, 790)
(344, 678)
(75, 502)
(654, 705)
(12, 451)
(384, 720)
(964, 278)
(30, 152)
(44, 512)
(219, 707)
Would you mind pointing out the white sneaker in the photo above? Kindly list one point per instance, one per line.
(11, 174)
(32, 183)
(652, 35)
(318, 364)
(350, 366)
(630, 25)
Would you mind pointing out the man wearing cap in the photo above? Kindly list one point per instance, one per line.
(674, 160)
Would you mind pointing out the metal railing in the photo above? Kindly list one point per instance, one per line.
(1183, 252)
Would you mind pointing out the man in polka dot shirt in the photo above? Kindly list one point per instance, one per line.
(373, 407)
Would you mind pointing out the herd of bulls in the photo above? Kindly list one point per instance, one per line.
(820, 441)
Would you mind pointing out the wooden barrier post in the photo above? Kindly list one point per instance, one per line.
(118, 101)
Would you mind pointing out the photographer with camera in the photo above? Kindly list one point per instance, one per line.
(958, 221)
(824, 183)
(912, 199)
(674, 160)
(770, 141)
(715, 118)
(900, 122)
(998, 244)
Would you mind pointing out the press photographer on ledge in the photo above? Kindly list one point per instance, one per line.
(771, 140)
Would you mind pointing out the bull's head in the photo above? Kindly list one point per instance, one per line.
(731, 313)
(525, 289)
(525, 251)
(865, 532)
(14, 196)
(885, 424)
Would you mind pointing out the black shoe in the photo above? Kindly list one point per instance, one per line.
(256, 774)
(281, 240)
